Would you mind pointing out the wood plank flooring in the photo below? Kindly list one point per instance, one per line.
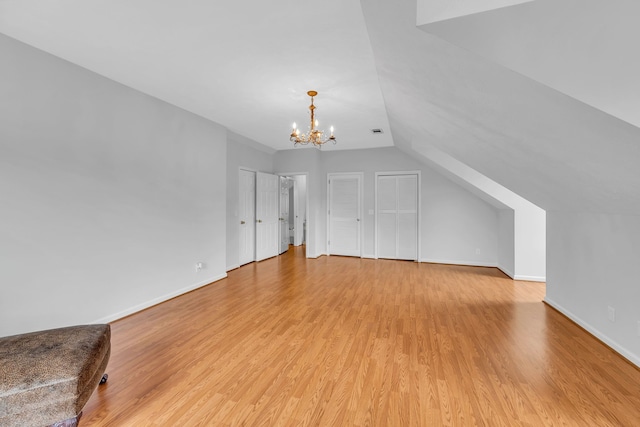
(339, 341)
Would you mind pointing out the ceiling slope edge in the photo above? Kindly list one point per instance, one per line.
(581, 48)
(551, 149)
(430, 11)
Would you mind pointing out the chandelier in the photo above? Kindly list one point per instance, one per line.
(314, 136)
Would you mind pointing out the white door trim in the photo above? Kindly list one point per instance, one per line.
(310, 251)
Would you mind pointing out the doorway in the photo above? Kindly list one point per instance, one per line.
(293, 210)
(286, 191)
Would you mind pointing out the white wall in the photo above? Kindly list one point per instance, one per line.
(247, 154)
(454, 222)
(530, 243)
(593, 261)
(529, 246)
(506, 241)
(108, 197)
(301, 183)
(307, 160)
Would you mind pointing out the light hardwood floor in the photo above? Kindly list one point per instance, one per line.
(339, 341)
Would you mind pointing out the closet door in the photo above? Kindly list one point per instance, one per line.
(397, 216)
(407, 243)
(387, 213)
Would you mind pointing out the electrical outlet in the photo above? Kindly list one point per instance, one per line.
(612, 314)
(199, 266)
(477, 251)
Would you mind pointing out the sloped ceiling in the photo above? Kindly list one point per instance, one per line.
(554, 150)
(587, 49)
(473, 87)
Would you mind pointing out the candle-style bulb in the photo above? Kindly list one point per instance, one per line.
(294, 126)
(331, 130)
(316, 122)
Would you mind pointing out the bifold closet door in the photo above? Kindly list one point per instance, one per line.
(397, 216)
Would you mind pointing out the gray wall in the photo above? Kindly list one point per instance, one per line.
(246, 154)
(454, 222)
(108, 197)
(506, 241)
(593, 261)
(308, 160)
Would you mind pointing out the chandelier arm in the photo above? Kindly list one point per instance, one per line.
(314, 136)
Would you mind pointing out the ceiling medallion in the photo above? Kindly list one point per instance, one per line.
(314, 136)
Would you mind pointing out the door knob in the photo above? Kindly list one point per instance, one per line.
(241, 222)
(358, 219)
(259, 220)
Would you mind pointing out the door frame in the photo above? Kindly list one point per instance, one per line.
(361, 193)
(418, 213)
(281, 219)
(309, 238)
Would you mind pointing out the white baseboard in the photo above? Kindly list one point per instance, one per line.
(315, 255)
(530, 278)
(624, 352)
(156, 301)
(368, 256)
(233, 267)
(506, 271)
(459, 262)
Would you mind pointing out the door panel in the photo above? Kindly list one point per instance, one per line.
(387, 235)
(267, 224)
(344, 214)
(397, 216)
(407, 236)
(247, 217)
(407, 193)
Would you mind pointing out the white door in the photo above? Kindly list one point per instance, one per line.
(267, 227)
(247, 214)
(397, 216)
(344, 202)
(299, 208)
(284, 213)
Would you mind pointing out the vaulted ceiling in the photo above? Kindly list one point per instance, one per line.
(541, 96)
